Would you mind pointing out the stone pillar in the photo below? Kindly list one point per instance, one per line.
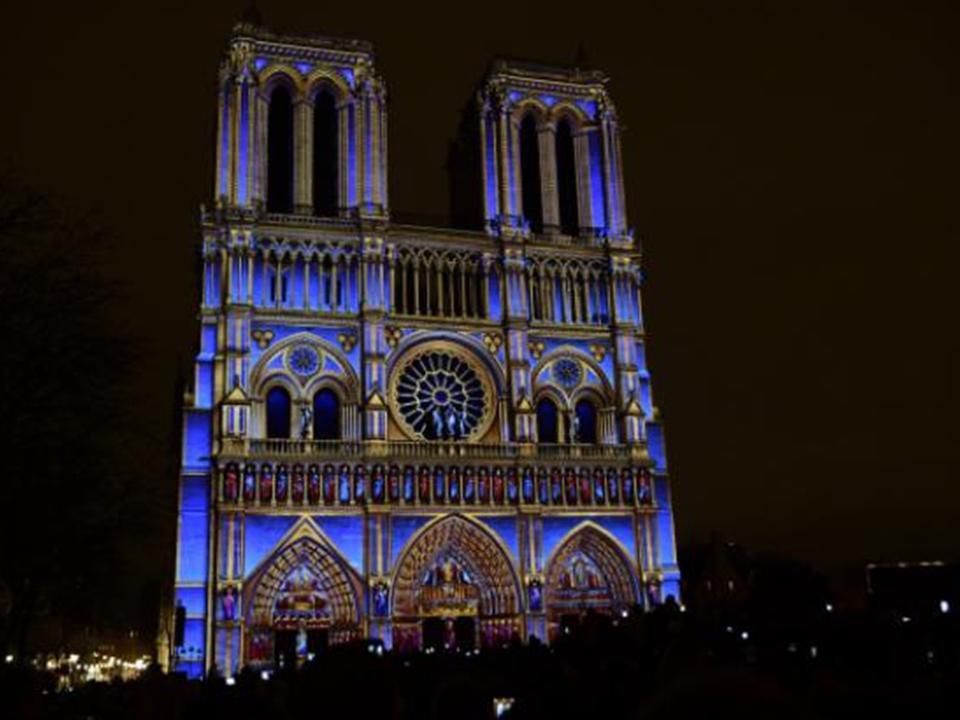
(549, 197)
(616, 222)
(625, 355)
(510, 201)
(489, 162)
(222, 173)
(517, 350)
(345, 159)
(581, 156)
(303, 157)
(261, 110)
(374, 348)
(369, 146)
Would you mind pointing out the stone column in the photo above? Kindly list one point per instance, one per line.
(547, 142)
(508, 201)
(345, 160)
(374, 348)
(581, 152)
(303, 157)
(517, 350)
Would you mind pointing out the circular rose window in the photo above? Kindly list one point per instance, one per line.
(567, 373)
(303, 360)
(440, 393)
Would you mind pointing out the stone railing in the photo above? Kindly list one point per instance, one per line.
(400, 450)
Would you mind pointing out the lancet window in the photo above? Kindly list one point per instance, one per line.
(280, 150)
(530, 172)
(278, 413)
(566, 178)
(326, 415)
(326, 142)
(439, 283)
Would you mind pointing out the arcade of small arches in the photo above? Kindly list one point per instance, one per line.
(568, 291)
(315, 278)
(425, 281)
(454, 585)
(440, 283)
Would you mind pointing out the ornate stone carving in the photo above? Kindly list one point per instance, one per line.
(347, 341)
(263, 338)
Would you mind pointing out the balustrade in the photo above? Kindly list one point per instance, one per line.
(335, 450)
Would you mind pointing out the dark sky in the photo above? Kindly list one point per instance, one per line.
(791, 168)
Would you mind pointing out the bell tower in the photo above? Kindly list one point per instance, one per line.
(550, 145)
(301, 128)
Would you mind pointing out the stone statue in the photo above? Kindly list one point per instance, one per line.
(306, 418)
(452, 423)
(574, 429)
(438, 425)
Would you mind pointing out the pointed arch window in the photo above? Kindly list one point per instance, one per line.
(566, 178)
(530, 172)
(278, 413)
(280, 151)
(326, 144)
(547, 421)
(586, 431)
(279, 284)
(326, 415)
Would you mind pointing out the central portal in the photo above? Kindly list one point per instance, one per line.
(449, 633)
(454, 589)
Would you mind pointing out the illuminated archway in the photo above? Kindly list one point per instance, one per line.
(455, 568)
(588, 572)
(304, 586)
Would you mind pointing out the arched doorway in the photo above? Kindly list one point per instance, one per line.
(588, 573)
(302, 599)
(454, 587)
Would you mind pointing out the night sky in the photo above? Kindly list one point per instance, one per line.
(790, 167)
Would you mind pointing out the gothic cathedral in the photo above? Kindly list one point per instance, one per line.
(430, 437)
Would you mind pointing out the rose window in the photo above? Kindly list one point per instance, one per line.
(303, 360)
(439, 395)
(567, 373)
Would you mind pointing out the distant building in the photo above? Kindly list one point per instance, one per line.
(914, 590)
(424, 436)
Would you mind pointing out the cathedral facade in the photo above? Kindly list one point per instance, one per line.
(432, 437)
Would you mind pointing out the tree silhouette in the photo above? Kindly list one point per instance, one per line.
(63, 362)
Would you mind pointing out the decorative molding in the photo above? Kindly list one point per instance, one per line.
(263, 338)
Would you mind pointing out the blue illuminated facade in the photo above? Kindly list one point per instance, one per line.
(432, 437)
